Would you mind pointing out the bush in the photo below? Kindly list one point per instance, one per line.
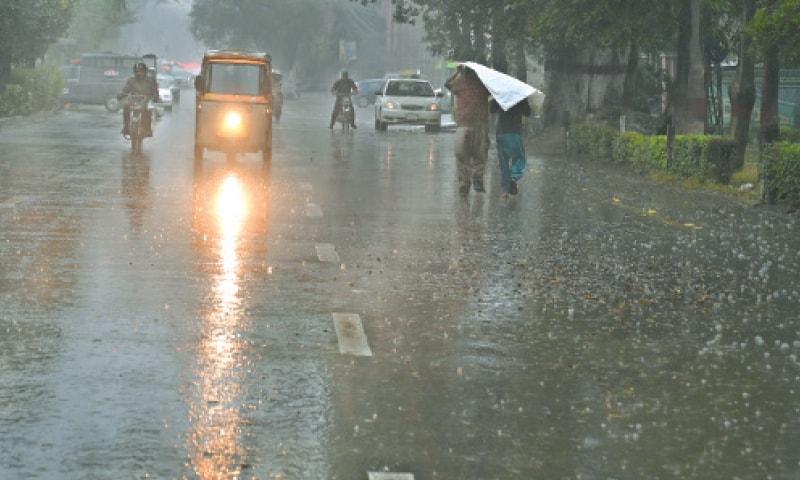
(780, 172)
(15, 101)
(32, 90)
(703, 156)
(646, 151)
(596, 139)
(790, 134)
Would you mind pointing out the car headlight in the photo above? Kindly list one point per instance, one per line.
(390, 105)
(434, 107)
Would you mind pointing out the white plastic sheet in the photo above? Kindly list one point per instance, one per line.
(505, 89)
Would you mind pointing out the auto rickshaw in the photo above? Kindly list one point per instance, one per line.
(234, 104)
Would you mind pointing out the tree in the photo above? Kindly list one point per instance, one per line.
(286, 28)
(592, 50)
(743, 89)
(27, 28)
(688, 103)
(95, 21)
(776, 31)
(470, 30)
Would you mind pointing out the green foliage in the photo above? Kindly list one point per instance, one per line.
(32, 90)
(28, 27)
(298, 33)
(95, 21)
(702, 156)
(644, 151)
(15, 100)
(705, 156)
(594, 139)
(603, 23)
(781, 172)
(778, 24)
(790, 134)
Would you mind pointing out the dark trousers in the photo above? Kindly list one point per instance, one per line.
(337, 107)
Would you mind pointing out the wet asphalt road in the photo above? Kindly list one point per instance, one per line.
(166, 320)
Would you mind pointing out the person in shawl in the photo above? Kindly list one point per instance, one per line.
(472, 133)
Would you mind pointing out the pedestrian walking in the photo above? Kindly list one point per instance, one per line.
(510, 147)
(472, 132)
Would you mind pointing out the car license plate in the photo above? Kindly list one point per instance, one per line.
(413, 117)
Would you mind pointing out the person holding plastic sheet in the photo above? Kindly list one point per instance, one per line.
(510, 146)
(472, 132)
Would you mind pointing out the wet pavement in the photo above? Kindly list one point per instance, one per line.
(162, 319)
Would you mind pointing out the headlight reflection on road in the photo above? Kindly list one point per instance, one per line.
(230, 210)
(216, 446)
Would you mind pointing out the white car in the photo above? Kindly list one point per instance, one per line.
(407, 101)
(167, 91)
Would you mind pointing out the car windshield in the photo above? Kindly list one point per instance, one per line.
(237, 79)
(409, 89)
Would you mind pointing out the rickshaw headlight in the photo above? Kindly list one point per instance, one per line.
(233, 122)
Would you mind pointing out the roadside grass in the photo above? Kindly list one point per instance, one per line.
(743, 185)
(738, 187)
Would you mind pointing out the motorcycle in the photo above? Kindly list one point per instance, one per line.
(345, 116)
(139, 107)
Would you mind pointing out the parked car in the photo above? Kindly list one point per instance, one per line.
(366, 91)
(409, 102)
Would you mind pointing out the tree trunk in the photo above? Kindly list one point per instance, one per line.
(581, 81)
(770, 120)
(5, 72)
(521, 60)
(720, 106)
(680, 83)
(479, 34)
(743, 89)
(693, 119)
(629, 85)
(499, 59)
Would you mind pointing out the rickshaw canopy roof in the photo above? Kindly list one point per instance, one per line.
(237, 56)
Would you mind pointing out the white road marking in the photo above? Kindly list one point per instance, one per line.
(326, 252)
(313, 211)
(350, 332)
(306, 187)
(389, 476)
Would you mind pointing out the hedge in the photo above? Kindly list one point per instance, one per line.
(704, 156)
(780, 172)
(32, 90)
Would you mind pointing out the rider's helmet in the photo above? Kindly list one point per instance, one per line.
(140, 67)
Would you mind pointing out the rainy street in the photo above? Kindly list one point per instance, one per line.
(163, 318)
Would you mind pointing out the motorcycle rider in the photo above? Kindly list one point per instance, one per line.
(344, 87)
(139, 84)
